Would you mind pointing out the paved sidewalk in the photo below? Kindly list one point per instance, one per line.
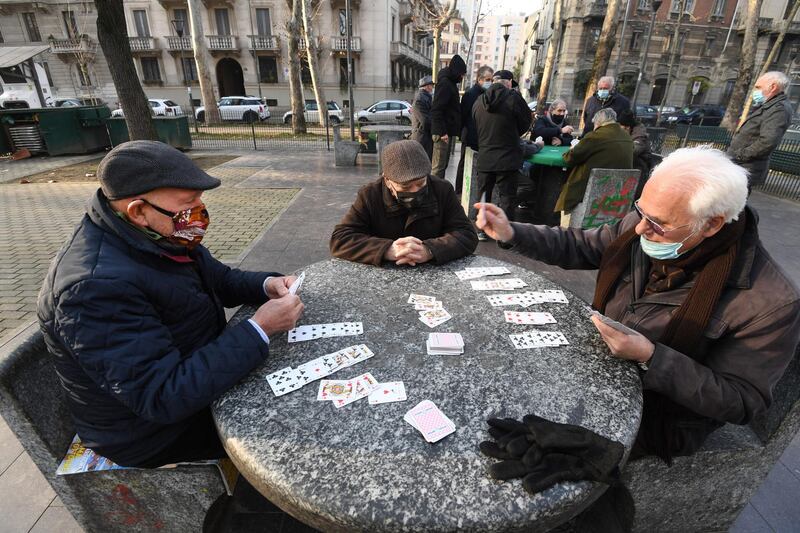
(13, 171)
(255, 231)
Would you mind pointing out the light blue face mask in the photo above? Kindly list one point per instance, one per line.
(758, 97)
(602, 94)
(662, 251)
(486, 85)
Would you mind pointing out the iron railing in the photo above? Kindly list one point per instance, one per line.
(261, 135)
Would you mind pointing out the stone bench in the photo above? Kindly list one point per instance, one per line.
(707, 491)
(345, 152)
(34, 405)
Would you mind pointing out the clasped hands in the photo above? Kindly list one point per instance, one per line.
(408, 251)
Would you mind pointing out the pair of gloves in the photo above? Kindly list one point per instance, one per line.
(543, 453)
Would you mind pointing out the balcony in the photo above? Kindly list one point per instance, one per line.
(301, 44)
(222, 43)
(406, 12)
(269, 43)
(178, 44)
(339, 44)
(404, 53)
(76, 45)
(142, 44)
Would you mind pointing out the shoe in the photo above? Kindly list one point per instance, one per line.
(482, 236)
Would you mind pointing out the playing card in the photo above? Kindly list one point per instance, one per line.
(430, 421)
(297, 283)
(284, 381)
(335, 389)
(319, 331)
(538, 339)
(392, 391)
(622, 328)
(499, 300)
(478, 272)
(434, 318)
(446, 340)
(498, 284)
(316, 369)
(363, 385)
(555, 296)
(425, 306)
(523, 317)
(420, 298)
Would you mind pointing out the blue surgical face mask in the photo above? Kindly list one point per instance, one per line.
(758, 97)
(602, 94)
(662, 251)
(486, 85)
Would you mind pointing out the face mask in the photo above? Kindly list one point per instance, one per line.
(662, 251)
(410, 200)
(486, 85)
(557, 119)
(758, 97)
(190, 225)
(602, 94)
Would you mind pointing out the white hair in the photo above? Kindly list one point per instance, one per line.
(778, 78)
(609, 79)
(557, 102)
(716, 185)
(604, 116)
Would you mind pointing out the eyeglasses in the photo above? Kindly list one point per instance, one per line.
(657, 228)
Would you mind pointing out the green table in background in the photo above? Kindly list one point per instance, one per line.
(548, 175)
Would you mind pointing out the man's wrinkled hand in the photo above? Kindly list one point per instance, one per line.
(279, 315)
(631, 347)
(399, 247)
(414, 254)
(279, 287)
(494, 222)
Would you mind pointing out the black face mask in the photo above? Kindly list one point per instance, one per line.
(557, 119)
(412, 200)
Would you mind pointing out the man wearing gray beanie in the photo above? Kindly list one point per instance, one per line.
(132, 310)
(406, 216)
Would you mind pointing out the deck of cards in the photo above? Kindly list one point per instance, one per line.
(290, 379)
(538, 339)
(431, 311)
(321, 331)
(430, 421)
(445, 344)
(478, 272)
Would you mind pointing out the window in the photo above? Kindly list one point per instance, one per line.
(457, 29)
(150, 70)
(384, 106)
(305, 71)
(223, 22)
(480, 29)
(46, 68)
(343, 72)
(263, 22)
(478, 47)
(188, 69)
(709, 45)
(688, 7)
(592, 38)
(726, 94)
(170, 103)
(393, 21)
(342, 23)
(396, 106)
(644, 5)
(636, 41)
(446, 47)
(719, 8)
(140, 21)
(182, 18)
(83, 75)
(667, 43)
(272, 102)
(268, 69)
(70, 26)
(2, 39)
(31, 27)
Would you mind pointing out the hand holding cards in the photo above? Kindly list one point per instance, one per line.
(622, 328)
(297, 283)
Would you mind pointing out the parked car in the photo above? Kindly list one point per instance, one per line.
(77, 102)
(159, 108)
(311, 113)
(245, 108)
(702, 114)
(391, 111)
(647, 114)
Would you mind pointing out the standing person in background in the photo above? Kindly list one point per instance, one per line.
(446, 113)
(553, 127)
(469, 135)
(421, 115)
(604, 98)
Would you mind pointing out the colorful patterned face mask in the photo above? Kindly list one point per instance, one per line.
(190, 224)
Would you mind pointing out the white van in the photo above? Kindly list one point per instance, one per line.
(19, 91)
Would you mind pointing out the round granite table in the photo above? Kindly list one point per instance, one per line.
(362, 467)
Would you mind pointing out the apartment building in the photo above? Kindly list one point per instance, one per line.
(490, 45)
(454, 40)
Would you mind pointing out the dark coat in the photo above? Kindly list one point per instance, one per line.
(749, 341)
(446, 109)
(469, 133)
(421, 121)
(607, 147)
(545, 128)
(376, 220)
(615, 101)
(641, 156)
(501, 117)
(139, 339)
(758, 137)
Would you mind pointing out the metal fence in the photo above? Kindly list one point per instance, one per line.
(784, 166)
(261, 135)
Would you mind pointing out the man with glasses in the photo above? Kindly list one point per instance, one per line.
(407, 216)
(716, 321)
(132, 309)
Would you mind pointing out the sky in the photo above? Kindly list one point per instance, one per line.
(515, 6)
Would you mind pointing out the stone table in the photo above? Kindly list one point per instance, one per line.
(362, 467)
(387, 134)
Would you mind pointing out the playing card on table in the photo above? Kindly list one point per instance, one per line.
(363, 385)
(319, 331)
(420, 298)
(434, 318)
(316, 369)
(498, 284)
(430, 421)
(425, 306)
(335, 389)
(499, 300)
(392, 391)
(284, 381)
(524, 317)
(555, 296)
(538, 339)
(356, 354)
(479, 272)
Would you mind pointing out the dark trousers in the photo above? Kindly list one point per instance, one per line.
(505, 189)
(460, 169)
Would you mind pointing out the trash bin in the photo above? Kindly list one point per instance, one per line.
(171, 130)
(57, 130)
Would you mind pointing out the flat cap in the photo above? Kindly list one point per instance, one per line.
(405, 161)
(137, 167)
(427, 80)
(504, 75)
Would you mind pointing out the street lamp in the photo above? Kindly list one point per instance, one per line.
(179, 25)
(655, 6)
(505, 38)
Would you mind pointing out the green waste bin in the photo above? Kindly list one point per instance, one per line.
(171, 130)
(56, 130)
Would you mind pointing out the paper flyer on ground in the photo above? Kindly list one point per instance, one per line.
(80, 459)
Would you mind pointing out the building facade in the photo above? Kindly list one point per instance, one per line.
(247, 41)
(490, 44)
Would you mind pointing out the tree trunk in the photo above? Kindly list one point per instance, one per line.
(294, 30)
(746, 66)
(313, 65)
(113, 36)
(550, 58)
(437, 40)
(202, 59)
(605, 46)
(771, 57)
(441, 20)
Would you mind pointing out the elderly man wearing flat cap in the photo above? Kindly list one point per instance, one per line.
(421, 116)
(407, 216)
(132, 309)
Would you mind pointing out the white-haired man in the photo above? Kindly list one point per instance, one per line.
(717, 320)
(605, 97)
(763, 130)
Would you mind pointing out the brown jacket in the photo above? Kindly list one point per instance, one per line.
(375, 220)
(608, 146)
(750, 339)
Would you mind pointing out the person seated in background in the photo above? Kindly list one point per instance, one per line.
(641, 147)
(715, 320)
(407, 216)
(607, 146)
(553, 126)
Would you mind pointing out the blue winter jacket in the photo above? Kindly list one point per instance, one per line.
(139, 336)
